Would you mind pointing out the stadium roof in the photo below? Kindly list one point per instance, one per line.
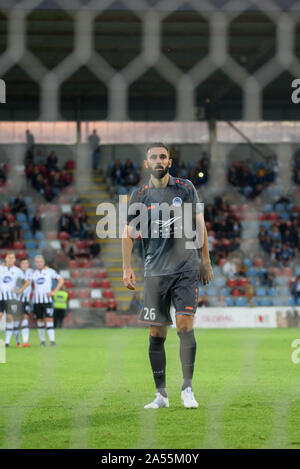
(118, 37)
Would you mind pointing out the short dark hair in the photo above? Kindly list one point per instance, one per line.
(23, 259)
(157, 144)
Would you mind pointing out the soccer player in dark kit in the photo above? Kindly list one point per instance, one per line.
(174, 264)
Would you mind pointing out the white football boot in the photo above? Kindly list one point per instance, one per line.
(159, 401)
(188, 399)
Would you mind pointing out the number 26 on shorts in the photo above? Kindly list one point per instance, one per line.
(149, 314)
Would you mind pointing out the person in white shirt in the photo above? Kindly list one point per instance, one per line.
(42, 298)
(12, 284)
(25, 300)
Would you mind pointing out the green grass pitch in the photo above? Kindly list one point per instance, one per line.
(90, 390)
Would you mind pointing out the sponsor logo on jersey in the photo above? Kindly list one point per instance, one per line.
(7, 279)
(177, 202)
(41, 281)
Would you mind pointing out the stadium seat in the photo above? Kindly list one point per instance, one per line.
(10, 218)
(51, 235)
(83, 294)
(80, 245)
(112, 304)
(229, 301)
(93, 284)
(39, 235)
(272, 291)
(42, 244)
(283, 291)
(291, 302)
(21, 217)
(76, 273)
(219, 282)
(21, 254)
(72, 294)
(89, 274)
(99, 304)
(85, 263)
(101, 274)
(251, 272)
(73, 264)
(105, 284)
(211, 291)
(225, 291)
(266, 302)
(63, 236)
(108, 294)
(70, 165)
(6, 209)
(87, 304)
(297, 271)
(32, 255)
(30, 245)
(232, 282)
(248, 262)
(241, 301)
(242, 282)
(235, 292)
(74, 304)
(68, 283)
(96, 294)
(260, 291)
(18, 245)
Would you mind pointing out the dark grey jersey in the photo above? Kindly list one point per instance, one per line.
(167, 236)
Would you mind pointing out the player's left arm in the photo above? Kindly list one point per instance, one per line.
(60, 282)
(206, 271)
(20, 290)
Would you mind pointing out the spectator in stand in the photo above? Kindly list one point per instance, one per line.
(203, 301)
(253, 177)
(229, 268)
(71, 249)
(36, 223)
(51, 163)
(295, 288)
(19, 206)
(56, 183)
(249, 292)
(94, 143)
(174, 155)
(135, 304)
(16, 231)
(76, 227)
(221, 301)
(118, 174)
(94, 249)
(29, 141)
(5, 234)
(88, 229)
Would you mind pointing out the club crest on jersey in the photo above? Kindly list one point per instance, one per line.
(177, 202)
(7, 279)
(41, 281)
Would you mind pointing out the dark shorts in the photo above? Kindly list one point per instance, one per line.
(43, 310)
(26, 307)
(12, 307)
(180, 289)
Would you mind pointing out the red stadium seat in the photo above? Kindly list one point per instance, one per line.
(51, 235)
(99, 304)
(18, 245)
(101, 274)
(70, 165)
(73, 264)
(93, 284)
(76, 274)
(6, 209)
(78, 208)
(63, 235)
(21, 254)
(105, 284)
(72, 294)
(231, 282)
(86, 304)
(89, 274)
(236, 292)
(83, 294)
(226, 242)
(10, 218)
(112, 304)
(85, 263)
(108, 294)
(288, 271)
(242, 282)
(68, 283)
(80, 244)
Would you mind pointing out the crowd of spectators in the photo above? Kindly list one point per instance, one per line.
(3, 173)
(47, 178)
(10, 229)
(224, 228)
(281, 240)
(252, 178)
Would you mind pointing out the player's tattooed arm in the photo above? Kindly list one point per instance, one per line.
(24, 286)
(206, 271)
(128, 274)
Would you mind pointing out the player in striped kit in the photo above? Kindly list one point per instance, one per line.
(11, 277)
(25, 300)
(42, 298)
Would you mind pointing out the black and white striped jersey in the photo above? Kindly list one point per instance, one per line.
(25, 296)
(42, 281)
(10, 279)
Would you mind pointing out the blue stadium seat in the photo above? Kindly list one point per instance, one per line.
(298, 302)
(25, 226)
(201, 291)
(21, 217)
(291, 301)
(27, 235)
(260, 291)
(32, 254)
(219, 282)
(42, 244)
(30, 245)
(272, 291)
(217, 270)
(229, 302)
(122, 190)
(251, 272)
(28, 199)
(211, 291)
(297, 271)
(268, 208)
(248, 262)
(277, 301)
(240, 301)
(284, 291)
(280, 281)
(225, 291)
(39, 235)
(265, 302)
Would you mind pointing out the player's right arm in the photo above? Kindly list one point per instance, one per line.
(127, 243)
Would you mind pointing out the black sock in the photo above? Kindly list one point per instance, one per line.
(157, 357)
(187, 356)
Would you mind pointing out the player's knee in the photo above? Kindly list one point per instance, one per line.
(184, 323)
(158, 331)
